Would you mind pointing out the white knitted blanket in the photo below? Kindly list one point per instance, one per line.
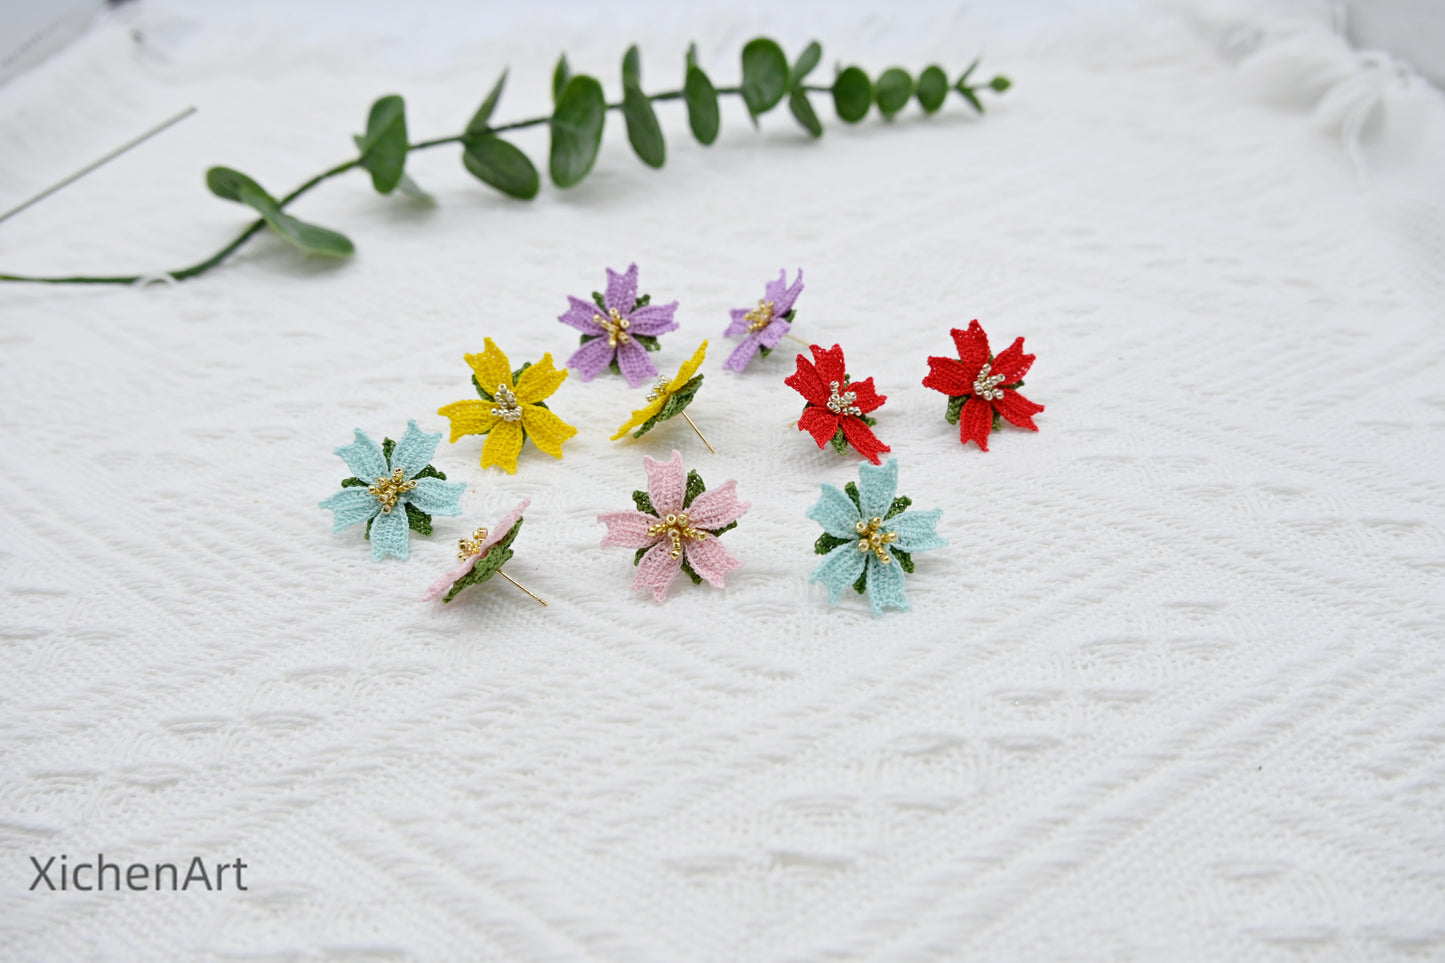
(1173, 691)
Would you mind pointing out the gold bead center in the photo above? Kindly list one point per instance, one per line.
(986, 385)
(874, 539)
(676, 527)
(760, 317)
(467, 547)
(388, 491)
(615, 325)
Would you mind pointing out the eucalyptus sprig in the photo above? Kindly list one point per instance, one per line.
(578, 116)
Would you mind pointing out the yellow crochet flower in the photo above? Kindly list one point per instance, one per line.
(662, 393)
(511, 408)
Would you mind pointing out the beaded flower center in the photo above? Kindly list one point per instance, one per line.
(507, 408)
(388, 491)
(659, 390)
(615, 325)
(986, 385)
(760, 317)
(467, 547)
(874, 539)
(676, 527)
(842, 402)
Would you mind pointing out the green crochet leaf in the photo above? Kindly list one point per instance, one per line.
(641, 302)
(674, 406)
(955, 405)
(826, 543)
(997, 422)
(417, 520)
(851, 490)
(904, 559)
(840, 442)
(861, 585)
(487, 566)
(899, 506)
(687, 570)
(649, 342)
(354, 482)
(430, 471)
(387, 447)
(484, 393)
(643, 503)
(695, 487)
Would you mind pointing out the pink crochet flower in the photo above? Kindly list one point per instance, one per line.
(676, 527)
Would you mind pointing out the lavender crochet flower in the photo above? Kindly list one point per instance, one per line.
(766, 324)
(618, 329)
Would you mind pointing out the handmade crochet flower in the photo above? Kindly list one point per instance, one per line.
(482, 556)
(618, 329)
(837, 409)
(676, 528)
(869, 537)
(404, 492)
(511, 408)
(668, 398)
(765, 325)
(981, 388)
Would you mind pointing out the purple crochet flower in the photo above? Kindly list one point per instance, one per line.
(618, 329)
(766, 324)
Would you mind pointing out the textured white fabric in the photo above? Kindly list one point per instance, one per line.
(1172, 692)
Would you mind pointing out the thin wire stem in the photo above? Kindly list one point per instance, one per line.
(699, 433)
(524, 588)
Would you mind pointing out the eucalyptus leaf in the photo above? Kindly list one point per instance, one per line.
(643, 130)
(235, 186)
(807, 60)
(895, 88)
(560, 75)
(384, 146)
(228, 183)
(702, 112)
(932, 88)
(414, 190)
(852, 94)
(963, 79)
(802, 109)
(500, 164)
(967, 94)
(691, 59)
(632, 66)
(765, 76)
(483, 117)
(577, 130)
(1000, 83)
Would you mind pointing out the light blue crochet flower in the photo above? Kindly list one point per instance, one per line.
(869, 537)
(394, 489)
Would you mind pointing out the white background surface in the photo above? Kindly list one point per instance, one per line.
(1173, 692)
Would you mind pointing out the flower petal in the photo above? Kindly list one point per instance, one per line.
(861, 437)
(470, 416)
(621, 290)
(709, 559)
(744, 352)
(717, 507)
(640, 416)
(839, 569)
(627, 529)
(885, 586)
(917, 530)
(657, 570)
(503, 526)
(666, 483)
(446, 581)
(1017, 409)
(350, 506)
(415, 450)
(947, 375)
(830, 364)
(491, 368)
(592, 358)
(975, 421)
(776, 330)
(868, 398)
(1012, 363)
(389, 534)
(546, 430)
(836, 512)
(819, 422)
(503, 446)
(539, 381)
(805, 381)
(654, 319)
(877, 487)
(972, 348)
(363, 456)
(739, 323)
(688, 369)
(437, 497)
(582, 315)
(783, 298)
(633, 362)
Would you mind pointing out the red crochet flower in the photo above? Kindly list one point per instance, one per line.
(837, 409)
(981, 387)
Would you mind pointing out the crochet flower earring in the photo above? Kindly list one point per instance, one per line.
(870, 537)
(512, 408)
(836, 408)
(406, 493)
(668, 399)
(983, 389)
(764, 326)
(676, 527)
(483, 556)
(618, 329)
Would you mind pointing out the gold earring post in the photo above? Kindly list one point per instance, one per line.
(699, 434)
(797, 339)
(519, 585)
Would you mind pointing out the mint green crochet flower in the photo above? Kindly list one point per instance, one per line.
(394, 489)
(869, 537)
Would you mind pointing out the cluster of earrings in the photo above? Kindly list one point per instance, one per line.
(869, 532)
